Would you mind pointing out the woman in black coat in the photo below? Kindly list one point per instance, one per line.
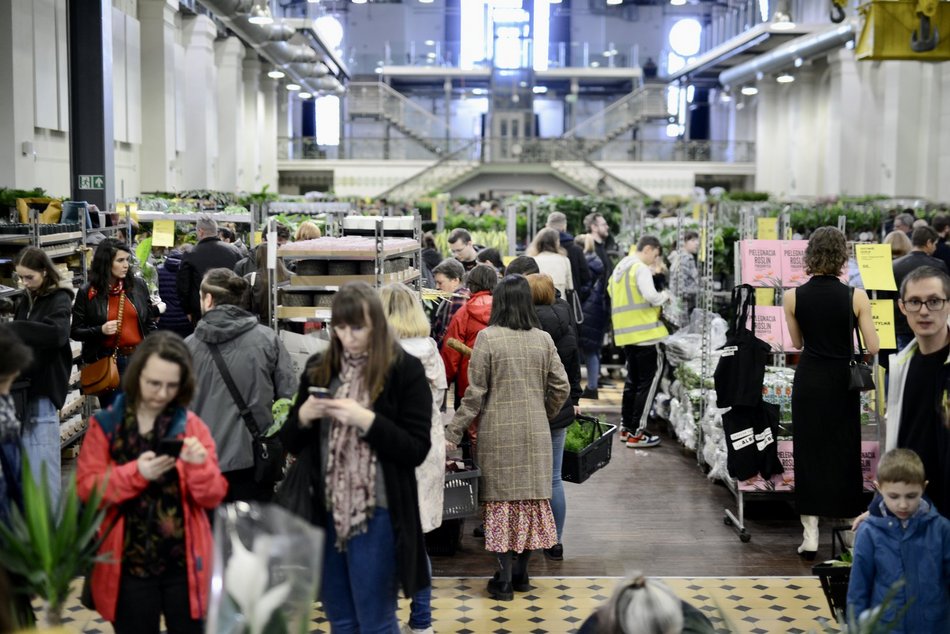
(366, 431)
(555, 316)
(112, 283)
(41, 321)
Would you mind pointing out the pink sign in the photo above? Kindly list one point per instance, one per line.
(761, 262)
(771, 327)
(785, 482)
(793, 263)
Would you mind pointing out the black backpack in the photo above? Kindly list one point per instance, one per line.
(741, 370)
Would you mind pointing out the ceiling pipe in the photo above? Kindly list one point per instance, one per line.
(272, 42)
(784, 56)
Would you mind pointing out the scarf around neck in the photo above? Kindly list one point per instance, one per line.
(351, 462)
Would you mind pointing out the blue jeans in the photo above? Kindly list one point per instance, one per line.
(42, 443)
(593, 369)
(420, 608)
(360, 587)
(558, 503)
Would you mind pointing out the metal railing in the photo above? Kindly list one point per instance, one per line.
(507, 150)
(643, 104)
(380, 100)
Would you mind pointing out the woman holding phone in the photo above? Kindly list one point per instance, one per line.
(157, 462)
(371, 436)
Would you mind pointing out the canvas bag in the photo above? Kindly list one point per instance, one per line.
(741, 369)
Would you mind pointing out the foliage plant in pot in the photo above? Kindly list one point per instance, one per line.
(49, 545)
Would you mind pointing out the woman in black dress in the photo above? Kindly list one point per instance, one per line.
(825, 413)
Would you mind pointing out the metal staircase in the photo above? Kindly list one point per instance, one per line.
(449, 170)
(595, 180)
(378, 101)
(647, 103)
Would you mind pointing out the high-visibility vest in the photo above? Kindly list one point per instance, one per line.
(634, 319)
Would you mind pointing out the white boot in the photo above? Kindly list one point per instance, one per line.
(810, 537)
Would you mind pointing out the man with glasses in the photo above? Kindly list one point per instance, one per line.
(919, 381)
(924, 241)
(460, 244)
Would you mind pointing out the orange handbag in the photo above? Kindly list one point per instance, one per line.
(103, 375)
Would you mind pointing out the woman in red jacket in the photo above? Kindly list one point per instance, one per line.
(158, 552)
(470, 320)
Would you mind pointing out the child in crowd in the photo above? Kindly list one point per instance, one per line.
(903, 538)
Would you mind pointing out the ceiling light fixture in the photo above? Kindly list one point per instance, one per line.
(799, 62)
(539, 90)
(785, 78)
(609, 2)
(425, 1)
(276, 74)
(293, 87)
(359, 1)
(554, 1)
(749, 91)
(430, 42)
(677, 3)
(304, 95)
(260, 13)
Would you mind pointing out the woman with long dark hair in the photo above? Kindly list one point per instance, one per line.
(826, 420)
(112, 285)
(367, 428)
(157, 463)
(516, 384)
(41, 321)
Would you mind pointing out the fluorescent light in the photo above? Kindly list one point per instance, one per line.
(677, 3)
(479, 91)
(359, 1)
(785, 78)
(292, 87)
(539, 90)
(304, 95)
(425, 1)
(749, 90)
(276, 74)
(430, 42)
(260, 13)
(609, 2)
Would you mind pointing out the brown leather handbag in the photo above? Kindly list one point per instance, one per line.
(103, 375)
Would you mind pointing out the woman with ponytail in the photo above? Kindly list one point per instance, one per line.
(260, 367)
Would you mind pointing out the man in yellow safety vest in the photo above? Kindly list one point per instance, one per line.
(635, 315)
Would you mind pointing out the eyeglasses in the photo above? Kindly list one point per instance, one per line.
(932, 304)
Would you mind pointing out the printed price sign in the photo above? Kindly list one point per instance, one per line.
(163, 233)
(874, 264)
(882, 310)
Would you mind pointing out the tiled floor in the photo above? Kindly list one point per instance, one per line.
(747, 605)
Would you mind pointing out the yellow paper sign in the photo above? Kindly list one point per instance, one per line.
(163, 233)
(120, 209)
(134, 212)
(765, 297)
(258, 238)
(702, 244)
(697, 210)
(882, 310)
(768, 228)
(874, 264)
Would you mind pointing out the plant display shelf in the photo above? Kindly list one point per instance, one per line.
(332, 213)
(334, 282)
(368, 254)
(152, 216)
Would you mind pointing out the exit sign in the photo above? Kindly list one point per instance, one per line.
(92, 182)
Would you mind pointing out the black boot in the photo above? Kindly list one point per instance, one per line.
(499, 586)
(519, 573)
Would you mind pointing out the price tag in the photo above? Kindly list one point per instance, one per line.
(163, 233)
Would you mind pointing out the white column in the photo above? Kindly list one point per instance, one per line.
(157, 157)
(806, 117)
(943, 156)
(269, 133)
(201, 125)
(16, 94)
(229, 58)
(253, 120)
(772, 162)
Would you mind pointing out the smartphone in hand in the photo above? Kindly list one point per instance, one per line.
(170, 447)
(320, 392)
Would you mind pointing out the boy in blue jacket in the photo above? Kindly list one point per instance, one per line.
(903, 538)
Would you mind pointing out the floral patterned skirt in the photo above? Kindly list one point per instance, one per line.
(519, 525)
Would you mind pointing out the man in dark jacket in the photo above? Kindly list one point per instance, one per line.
(941, 225)
(579, 270)
(924, 241)
(209, 253)
(174, 318)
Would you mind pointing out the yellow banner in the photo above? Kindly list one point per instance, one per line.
(767, 228)
(874, 264)
(765, 297)
(882, 310)
(163, 233)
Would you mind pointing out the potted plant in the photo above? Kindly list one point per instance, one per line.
(47, 546)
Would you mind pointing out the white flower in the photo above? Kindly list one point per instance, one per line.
(246, 578)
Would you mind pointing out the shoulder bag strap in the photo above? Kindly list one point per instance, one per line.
(853, 326)
(235, 394)
(118, 330)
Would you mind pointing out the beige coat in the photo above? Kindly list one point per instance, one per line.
(516, 383)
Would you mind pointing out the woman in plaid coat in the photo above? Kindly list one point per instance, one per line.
(516, 383)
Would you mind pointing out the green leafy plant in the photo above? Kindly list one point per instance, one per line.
(49, 547)
(143, 253)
